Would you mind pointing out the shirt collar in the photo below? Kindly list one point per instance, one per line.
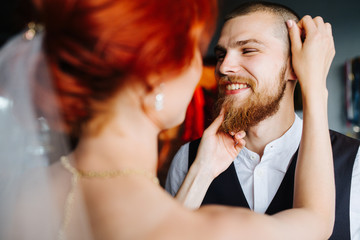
(277, 153)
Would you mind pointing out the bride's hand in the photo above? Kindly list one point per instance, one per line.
(311, 57)
(218, 150)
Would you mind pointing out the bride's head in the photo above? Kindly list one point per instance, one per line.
(98, 48)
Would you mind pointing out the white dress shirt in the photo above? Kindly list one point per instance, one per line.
(261, 178)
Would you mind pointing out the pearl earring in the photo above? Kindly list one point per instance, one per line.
(159, 99)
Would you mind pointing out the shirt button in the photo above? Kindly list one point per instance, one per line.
(252, 157)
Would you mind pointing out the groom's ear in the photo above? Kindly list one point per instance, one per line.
(290, 73)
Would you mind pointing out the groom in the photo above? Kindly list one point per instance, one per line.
(256, 86)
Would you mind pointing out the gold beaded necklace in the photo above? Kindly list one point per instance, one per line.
(108, 174)
(76, 174)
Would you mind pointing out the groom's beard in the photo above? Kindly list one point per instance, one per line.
(257, 107)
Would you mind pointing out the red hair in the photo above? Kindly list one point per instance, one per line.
(93, 46)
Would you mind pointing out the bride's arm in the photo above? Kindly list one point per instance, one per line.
(314, 178)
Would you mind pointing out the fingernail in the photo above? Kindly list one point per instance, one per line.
(240, 135)
(289, 23)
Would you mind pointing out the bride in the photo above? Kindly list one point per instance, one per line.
(112, 75)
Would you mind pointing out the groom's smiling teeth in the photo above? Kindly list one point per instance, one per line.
(236, 86)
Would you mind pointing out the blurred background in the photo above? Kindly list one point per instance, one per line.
(343, 80)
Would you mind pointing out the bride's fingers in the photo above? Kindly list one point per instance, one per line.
(239, 145)
(307, 24)
(239, 141)
(240, 135)
(295, 35)
(319, 22)
(328, 28)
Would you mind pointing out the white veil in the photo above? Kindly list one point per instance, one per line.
(32, 193)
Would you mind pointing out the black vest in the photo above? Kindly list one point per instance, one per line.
(226, 189)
